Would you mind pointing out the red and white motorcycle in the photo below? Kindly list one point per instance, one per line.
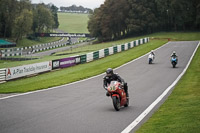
(118, 95)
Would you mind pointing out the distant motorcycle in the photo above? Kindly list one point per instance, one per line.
(174, 61)
(151, 57)
(118, 95)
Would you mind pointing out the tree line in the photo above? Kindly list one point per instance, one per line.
(74, 8)
(116, 19)
(19, 18)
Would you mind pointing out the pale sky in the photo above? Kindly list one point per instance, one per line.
(85, 3)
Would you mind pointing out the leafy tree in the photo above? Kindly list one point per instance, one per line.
(196, 14)
(107, 22)
(141, 17)
(75, 8)
(54, 11)
(118, 18)
(94, 24)
(23, 24)
(7, 16)
(43, 19)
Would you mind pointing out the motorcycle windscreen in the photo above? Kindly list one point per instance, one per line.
(112, 86)
(173, 59)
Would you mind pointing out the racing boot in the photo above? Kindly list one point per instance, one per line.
(127, 95)
(107, 94)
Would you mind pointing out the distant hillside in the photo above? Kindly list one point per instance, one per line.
(75, 9)
(73, 22)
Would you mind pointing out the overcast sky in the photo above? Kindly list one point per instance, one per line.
(85, 3)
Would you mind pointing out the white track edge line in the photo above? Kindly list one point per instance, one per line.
(148, 110)
(27, 93)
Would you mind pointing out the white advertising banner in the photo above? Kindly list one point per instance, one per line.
(21, 71)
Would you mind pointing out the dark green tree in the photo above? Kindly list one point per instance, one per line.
(141, 17)
(23, 24)
(43, 20)
(54, 11)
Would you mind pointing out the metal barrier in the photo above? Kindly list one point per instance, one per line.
(2, 75)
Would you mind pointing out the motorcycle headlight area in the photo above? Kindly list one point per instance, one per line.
(112, 88)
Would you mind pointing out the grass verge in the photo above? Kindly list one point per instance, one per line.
(180, 113)
(78, 72)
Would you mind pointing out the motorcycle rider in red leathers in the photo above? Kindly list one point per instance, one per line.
(110, 76)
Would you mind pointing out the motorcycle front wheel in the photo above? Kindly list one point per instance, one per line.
(150, 61)
(116, 103)
(174, 64)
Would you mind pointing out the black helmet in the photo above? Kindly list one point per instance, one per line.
(109, 71)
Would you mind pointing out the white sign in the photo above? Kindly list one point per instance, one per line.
(21, 71)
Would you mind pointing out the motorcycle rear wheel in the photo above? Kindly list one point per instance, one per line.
(116, 103)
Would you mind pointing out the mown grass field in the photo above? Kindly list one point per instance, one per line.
(73, 23)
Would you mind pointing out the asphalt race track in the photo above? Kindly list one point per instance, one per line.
(83, 107)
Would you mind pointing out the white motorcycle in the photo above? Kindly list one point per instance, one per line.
(151, 58)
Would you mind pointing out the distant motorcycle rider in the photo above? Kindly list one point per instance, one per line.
(152, 52)
(174, 54)
(110, 76)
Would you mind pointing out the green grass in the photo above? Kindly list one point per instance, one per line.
(73, 23)
(178, 36)
(78, 72)
(26, 42)
(181, 112)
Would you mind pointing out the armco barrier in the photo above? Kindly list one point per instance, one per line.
(119, 48)
(115, 50)
(90, 57)
(106, 52)
(101, 53)
(96, 55)
(83, 58)
(2, 75)
(129, 45)
(139, 42)
(111, 50)
(32, 49)
(123, 47)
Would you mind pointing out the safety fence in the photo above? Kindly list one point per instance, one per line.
(26, 70)
(111, 50)
(2, 75)
(10, 52)
(32, 49)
